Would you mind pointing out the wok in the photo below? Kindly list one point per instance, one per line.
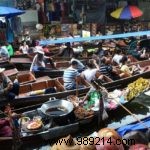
(57, 108)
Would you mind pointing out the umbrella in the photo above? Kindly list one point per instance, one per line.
(10, 12)
(127, 12)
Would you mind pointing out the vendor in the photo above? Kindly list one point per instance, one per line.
(39, 61)
(93, 97)
(8, 90)
(80, 66)
(125, 70)
(24, 47)
(91, 72)
(66, 52)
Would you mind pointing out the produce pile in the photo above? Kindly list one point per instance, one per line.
(137, 87)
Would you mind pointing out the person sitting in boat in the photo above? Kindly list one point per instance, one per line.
(93, 97)
(3, 51)
(91, 72)
(10, 49)
(107, 70)
(8, 90)
(71, 76)
(66, 52)
(24, 47)
(80, 66)
(39, 61)
(117, 57)
(125, 70)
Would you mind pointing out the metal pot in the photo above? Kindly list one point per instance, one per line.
(57, 108)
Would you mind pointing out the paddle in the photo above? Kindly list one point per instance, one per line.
(77, 92)
(126, 109)
(102, 114)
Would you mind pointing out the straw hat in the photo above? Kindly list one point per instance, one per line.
(108, 132)
(2, 69)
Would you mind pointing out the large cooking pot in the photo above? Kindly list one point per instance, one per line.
(57, 108)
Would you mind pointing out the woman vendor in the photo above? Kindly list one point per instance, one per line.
(39, 61)
(93, 98)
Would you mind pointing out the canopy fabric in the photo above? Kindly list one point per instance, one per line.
(104, 37)
(9, 12)
(133, 127)
(127, 12)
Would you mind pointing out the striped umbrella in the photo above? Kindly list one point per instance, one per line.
(127, 12)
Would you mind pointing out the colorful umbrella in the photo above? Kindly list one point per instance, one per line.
(127, 12)
(10, 12)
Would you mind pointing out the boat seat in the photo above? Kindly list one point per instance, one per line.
(21, 60)
(81, 81)
(107, 79)
(25, 88)
(62, 64)
(57, 84)
(10, 72)
(39, 86)
(44, 78)
(25, 78)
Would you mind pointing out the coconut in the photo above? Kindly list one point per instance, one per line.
(108, 132)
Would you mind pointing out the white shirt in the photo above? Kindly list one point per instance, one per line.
(24, 49)
(89, 74)
(37, 63)
(117, 58)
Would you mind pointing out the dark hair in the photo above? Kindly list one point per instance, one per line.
(103, 60)
(124, 59)
(74, 63)
(68, 44)
(90, 63)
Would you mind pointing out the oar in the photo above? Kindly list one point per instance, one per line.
(133, 115)
(126, 109)
(77, 92)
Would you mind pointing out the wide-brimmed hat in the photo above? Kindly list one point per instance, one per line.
(2, 69)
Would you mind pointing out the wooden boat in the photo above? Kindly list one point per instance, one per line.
(11, 73)
(25, 77)
(61, 130)
(28, 96)
(118, 83)
(3, 62)
(54, 73)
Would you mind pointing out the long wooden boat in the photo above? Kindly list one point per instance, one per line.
(29, 93)
(60, 130)
(118, 83)
(11, 72)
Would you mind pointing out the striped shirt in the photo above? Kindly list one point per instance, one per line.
(69, 77)
(106, 70)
